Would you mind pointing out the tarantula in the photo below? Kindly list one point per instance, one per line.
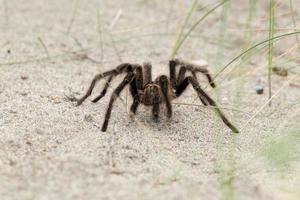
(153, 93)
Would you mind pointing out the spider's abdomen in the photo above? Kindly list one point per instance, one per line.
(151, 95)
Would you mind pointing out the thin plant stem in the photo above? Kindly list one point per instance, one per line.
(113, 41)
(5, 12)
(73, 17)
(179, 36)
(294, 22)
(267, 102)
(185, 36)
(270, 53)
(253, 47)
(100, 32)
(44, 46)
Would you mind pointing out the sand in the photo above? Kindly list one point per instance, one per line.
(51, 149)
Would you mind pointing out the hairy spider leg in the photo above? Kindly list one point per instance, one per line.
(202, 95)
(128, 78)
(135, 86)
(194, 69)
(103, 92)
(125, 67)
(182, 86)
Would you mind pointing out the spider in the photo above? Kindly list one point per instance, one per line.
(153, 93)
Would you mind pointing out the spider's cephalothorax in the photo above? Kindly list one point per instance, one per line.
(153, 93)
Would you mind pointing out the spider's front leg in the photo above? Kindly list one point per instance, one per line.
(128, 79)
(125, 67)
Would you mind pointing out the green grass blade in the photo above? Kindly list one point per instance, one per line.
(194, 6)
(222, 32)
(252, 48)
(185, 36)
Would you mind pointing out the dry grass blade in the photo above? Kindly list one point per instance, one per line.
(270, 53)
(5, 12)
(44, 46)
(83, 55)
(100, 32)
(111, 26)
(111, 149)
(73, 17)
(294, 22)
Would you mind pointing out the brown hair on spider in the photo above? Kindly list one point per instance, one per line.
(153, 93)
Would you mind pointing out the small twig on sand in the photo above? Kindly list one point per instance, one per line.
(100, 31)
(73, 17)
(267, 102)
(83, 55)
(70, 98)
(295, 85)
(5, 12)
(115, 20)
(44, 46)
(112, 24)
(110, 153)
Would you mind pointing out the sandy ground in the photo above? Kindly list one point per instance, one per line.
(51, 149)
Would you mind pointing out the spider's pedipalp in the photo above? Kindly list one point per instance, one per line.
(155, 111)
(172, 70)
(163, 82)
